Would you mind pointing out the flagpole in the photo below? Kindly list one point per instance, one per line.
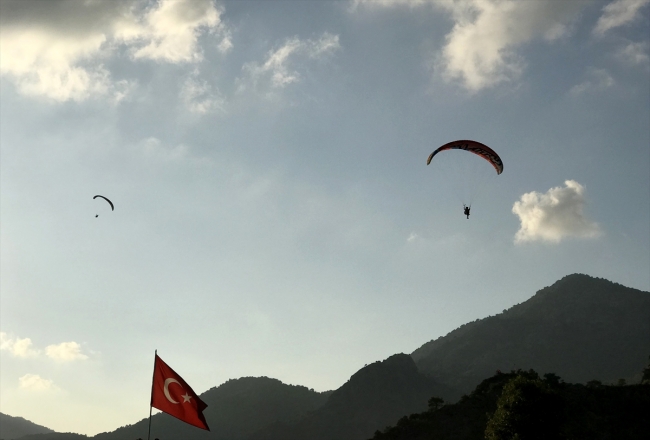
(151, 400)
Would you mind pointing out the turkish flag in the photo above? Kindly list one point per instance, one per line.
(171, 394)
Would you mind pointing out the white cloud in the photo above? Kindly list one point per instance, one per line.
(619, 13)
(17, 347)
(52, 67)
(170, 31)
(354, 5)
(278, 68)
(555, 215)
(226, 44)
(480, 49)
(635, 53)
(198, 97)
(34, 382)
(597, 80)
(155, 150)
(65, 352)
(23, 348)
(56, 48)
(324, 46)
(412, 237)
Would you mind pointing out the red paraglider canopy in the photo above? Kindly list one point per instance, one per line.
(477, 148)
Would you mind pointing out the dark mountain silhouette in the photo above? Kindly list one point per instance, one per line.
(581, 328)
(374, 397)
(262, 408)
(236, 409)
(522, 405)
(14, 427)
(56, 436)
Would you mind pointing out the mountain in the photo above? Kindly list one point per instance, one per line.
(55, 436)
(522, 405)
(374, 397)
(235, 409)
(265, 409)
(581, 328)
(14, 427)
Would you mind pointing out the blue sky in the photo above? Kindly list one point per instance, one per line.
(274, 213)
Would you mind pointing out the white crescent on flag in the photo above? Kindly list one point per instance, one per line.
(166, 390)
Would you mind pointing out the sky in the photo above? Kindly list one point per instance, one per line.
(274, 213)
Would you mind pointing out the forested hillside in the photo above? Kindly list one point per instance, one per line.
(581, 328)
(523, 405)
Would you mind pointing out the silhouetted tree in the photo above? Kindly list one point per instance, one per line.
(528, 409)
(552, 378)
(435, 403)
(594, 384)
(646, 373)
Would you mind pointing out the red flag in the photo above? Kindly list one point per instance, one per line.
(171, 394)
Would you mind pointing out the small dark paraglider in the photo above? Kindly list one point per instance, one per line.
(466, 210)
(109, 202)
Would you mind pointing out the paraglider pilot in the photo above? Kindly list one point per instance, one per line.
(466, 210)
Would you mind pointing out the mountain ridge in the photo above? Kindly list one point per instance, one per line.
(521, 404)
(375, 396)
(581, 328)
(15, 427)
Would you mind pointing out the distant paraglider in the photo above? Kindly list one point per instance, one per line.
(477, 148)
(109, 202)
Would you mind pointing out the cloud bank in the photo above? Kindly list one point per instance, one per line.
(18, 347)
(65, 352)
(619, 13)
(635, 53)
(34, 382)
(23, 348)
(199, 97)
(278, 70)
(480, 50)
(57, 48)
(597, 81)
(555, 215)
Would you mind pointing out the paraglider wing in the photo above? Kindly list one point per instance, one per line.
(477, 148)
(109, 202)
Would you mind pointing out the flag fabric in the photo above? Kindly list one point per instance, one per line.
(171, 394)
